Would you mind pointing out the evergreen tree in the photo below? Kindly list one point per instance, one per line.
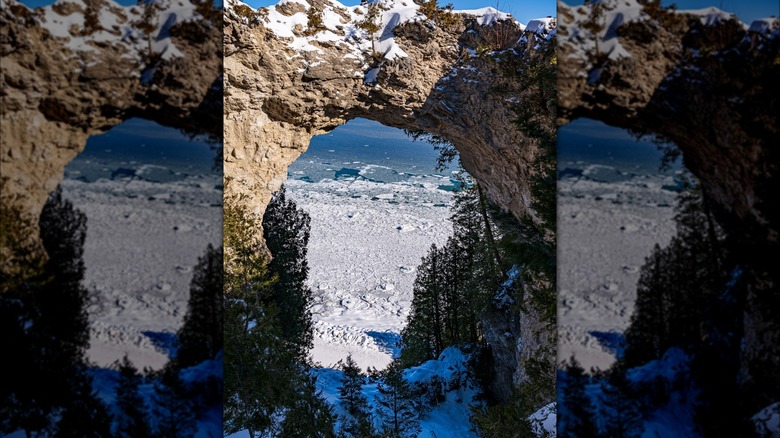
(133, 421)
(259, 366)
(372, 22)
(422, 336)
(85, 415)
(646, 335)
(399, 408)
(200, 337)
(61, 302)
(620, 407)
(172, 408)
(576, 415)
(45, 326)
(357, 423)
(309, 414)
(286, 231)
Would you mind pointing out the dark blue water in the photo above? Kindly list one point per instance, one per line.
(368, 150)
(611, 153)
(143, 149)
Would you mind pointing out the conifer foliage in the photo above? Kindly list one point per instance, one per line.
(132, 420)
(200, 337)
(455, 283)
(576, 412)
(45, 326)
(399, 407)
(172, 407)
(358, 422)
(268, 390)
(286, 231)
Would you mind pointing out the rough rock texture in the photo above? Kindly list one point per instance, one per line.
(64, 83)
(274, 105)
(277, 98)
(709, 86)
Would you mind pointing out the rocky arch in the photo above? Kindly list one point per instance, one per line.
(708, 84)
(277, 98)
(62, 83)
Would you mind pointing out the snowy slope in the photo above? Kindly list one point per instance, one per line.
(612, 14)
(606, 229)
(367, 239)
(68, 21)
(340, 28)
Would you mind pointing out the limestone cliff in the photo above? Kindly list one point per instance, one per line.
(289, 78)
(284, 85)
(707, 83)
(77, 68)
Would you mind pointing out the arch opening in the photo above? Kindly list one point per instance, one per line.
(377, 202)
(615, 202)
(153, 202)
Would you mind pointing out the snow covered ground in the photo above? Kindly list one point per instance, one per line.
(611, 212)
(147, 224)
(372, 220)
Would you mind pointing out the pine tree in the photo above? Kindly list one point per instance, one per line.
(259, 366)
(620, 408)
(46, 327)
(422, 337)
(357, 423)
(172, 407)
(200, 337)
(133, 419)
(577, 412)
(646, 335)
(309, 414)
(84, 415)
(286, 231)
(399, 408)
(147, 23)
(372, 22)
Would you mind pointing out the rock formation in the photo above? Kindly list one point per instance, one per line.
(77, 68)
(281, 89)
(707, 83)
(288, 79)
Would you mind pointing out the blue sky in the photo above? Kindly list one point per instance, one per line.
(522, 10)
(746, 10)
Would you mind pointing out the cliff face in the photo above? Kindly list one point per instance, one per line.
(707, 83)
(286, 82)
(283, 87)
(78, 68)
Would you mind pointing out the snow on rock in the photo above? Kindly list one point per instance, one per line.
(340, 28)
(543, 421)
(541, 25)
(614, 13)
(503, 298)
(447, 388)
(710, 16)
(486, 16)
(674, 364)
(764, 25)
(116, 25)
(767, 421)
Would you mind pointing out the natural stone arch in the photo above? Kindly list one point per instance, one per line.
(709, 86)
(277, 99)
(60, 86)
